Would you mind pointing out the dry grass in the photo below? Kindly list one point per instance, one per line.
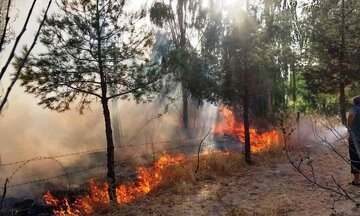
(226, 186)
(180, 180)
(268, 209)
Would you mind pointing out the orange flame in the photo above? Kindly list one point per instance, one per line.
(149, 178)
(259, 141)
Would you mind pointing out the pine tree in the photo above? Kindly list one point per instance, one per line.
(95, 51)
(332, 62)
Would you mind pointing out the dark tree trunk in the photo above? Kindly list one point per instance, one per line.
(298, 125)
(106, 111)
(342, 71)
(110, 150)
(342, 104)
(247, 126)
(182, 28)
(185, 114)
(294, 87)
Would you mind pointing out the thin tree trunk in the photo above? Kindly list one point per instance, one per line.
(342, 72)
(298, 125)
(247, 126)
(110, 150)
(342, 104)
(185, 115)
(106, 112)
(294, 86)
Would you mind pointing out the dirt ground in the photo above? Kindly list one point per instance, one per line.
(270, 187)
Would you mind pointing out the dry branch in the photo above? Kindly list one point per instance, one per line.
(4, 194)
(23, 61)
(337, 189)
(7, 19)
(198, 154)
(12, 53)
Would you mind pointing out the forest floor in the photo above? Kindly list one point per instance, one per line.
(269, 187)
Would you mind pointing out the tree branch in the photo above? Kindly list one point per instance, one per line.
(24, 60)
(80, 90)
(336, 189)
(12, 54)
(2, 41)
(134, 89)
(198, 154)
(4, 194)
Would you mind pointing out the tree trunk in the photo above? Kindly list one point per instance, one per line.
(247, 126)
(298, 126)
(185, 114)
(182, 28)
(106, 111)
(116, 125)
(342, 104)
(185, 109)
(110, 150)
(342, 71)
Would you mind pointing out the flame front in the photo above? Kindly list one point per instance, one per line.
(149, 178)
(259, 141)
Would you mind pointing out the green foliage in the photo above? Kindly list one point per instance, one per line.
(242, 59)
(160, 13)
(353, 90)
(189, 67)
(332, 54)
(329, 47)
(92, 51)
(248, 63)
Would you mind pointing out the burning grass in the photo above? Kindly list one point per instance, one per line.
(149, 178)
(168, 171)
(259, 141)
(180, 181)
(173, 173)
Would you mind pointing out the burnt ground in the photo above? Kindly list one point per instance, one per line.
(270, 187)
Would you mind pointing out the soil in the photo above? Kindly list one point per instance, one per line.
(270, 187)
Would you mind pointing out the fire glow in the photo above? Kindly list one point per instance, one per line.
(259, 141)
(149, 178)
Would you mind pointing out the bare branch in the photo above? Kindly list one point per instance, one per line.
(201, 142)
(335, 189)
(24, 60)
(12, 54)
(4, 193)
(2, 41)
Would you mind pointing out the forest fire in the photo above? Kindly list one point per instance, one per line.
(149, 178)
(259, 141)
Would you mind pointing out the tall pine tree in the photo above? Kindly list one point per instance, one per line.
(95, 51)
(333, 59)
